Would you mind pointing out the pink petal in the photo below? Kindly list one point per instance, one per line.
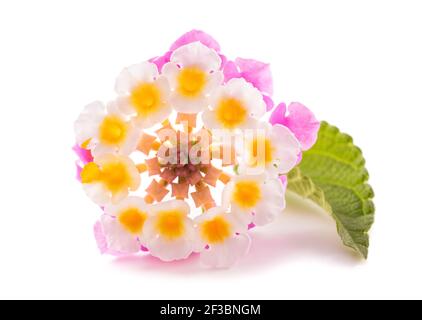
(102, 242)
(230, 71)
(162, 60)
(268, 102)
(283, 179)
(100, 238)
(278, 115)
(78, 171)
(300, 120)
(256, 72)
(299, 158)
(196, 35)
(223, 60)
(83, 154)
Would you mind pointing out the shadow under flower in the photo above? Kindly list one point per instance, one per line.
(302, 232)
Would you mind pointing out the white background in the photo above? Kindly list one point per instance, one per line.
(357, 64)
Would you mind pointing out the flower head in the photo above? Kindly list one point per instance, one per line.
(193, 124)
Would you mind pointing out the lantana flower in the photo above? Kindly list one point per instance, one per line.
(213, 166)
(144, 94)
(254, 198)
(109, 178)
(122, 225)
(168, 233)
(103, 130)
(193, 73)
(221, 238)
(235, 105)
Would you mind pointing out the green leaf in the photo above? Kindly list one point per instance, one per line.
(333, 175)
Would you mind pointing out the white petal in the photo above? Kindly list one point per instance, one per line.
(117, 238)
(197, 54)
(97, 193)
(227, 254)
(104, 159)
(124, 105)
(100, 149)
(214, 80)
(272, 204)
(242, 216)
(164, 86)
(131, 142)
(130, 202)
(210, 121)
(227, 194)
(119, 196)
(249, 123)
(154, 118)
(238, 225)
(171, 71)
(113, 109)
(265, 213)
(287, 148)
(209, 215)
(135, 74)
(189, 105)
(242, 90)
(86, 126)
(179, 205)
(124, 82)
(259, 178)
(170, 250)
(133, 172)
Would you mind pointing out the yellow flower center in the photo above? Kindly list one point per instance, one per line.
(85, 144)
(90, 173)
(170, 224)
(260, 151)
(191, 81)
(146, 98)
(246, 194)
(113, 130)
(216, 230)
(231, 113)
(115, 176)
(132, 219)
